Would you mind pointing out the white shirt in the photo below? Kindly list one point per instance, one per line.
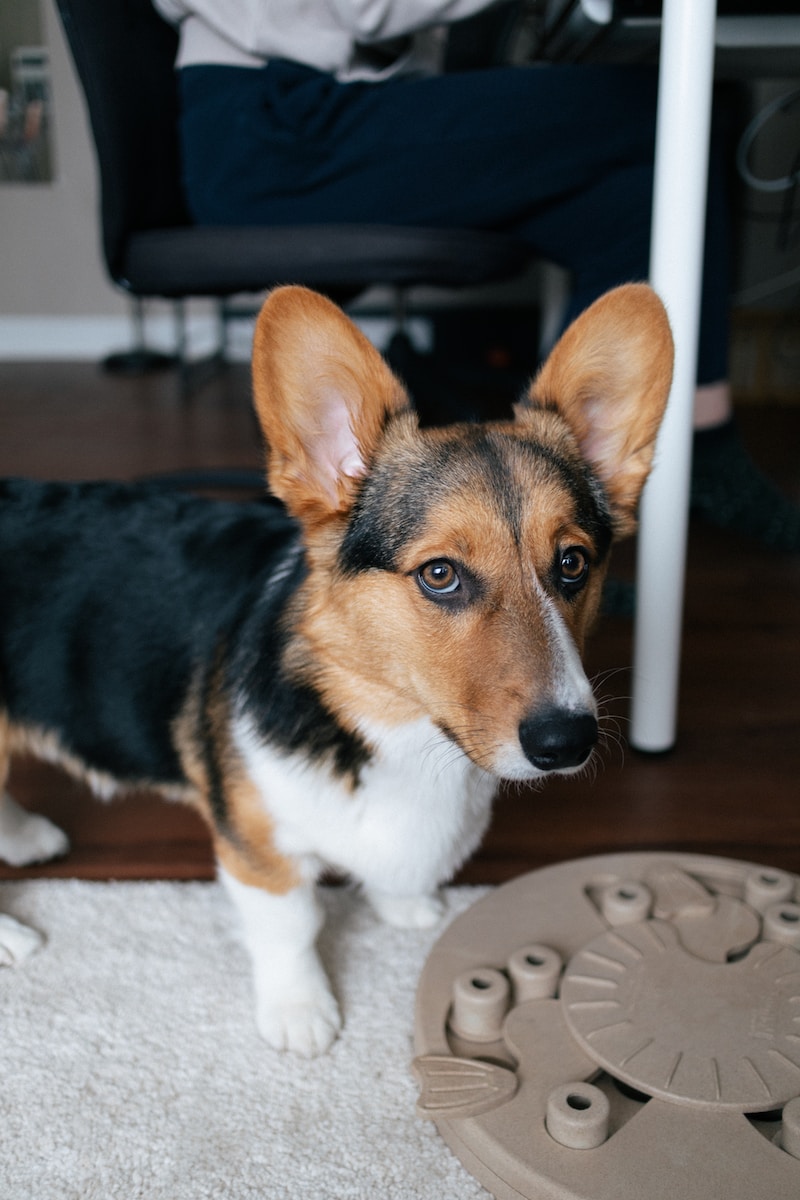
(352, 39)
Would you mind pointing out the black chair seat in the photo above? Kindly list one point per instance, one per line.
(223, 260)
(124, 54)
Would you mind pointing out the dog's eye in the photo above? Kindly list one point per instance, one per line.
(573, 568)
(439, 578)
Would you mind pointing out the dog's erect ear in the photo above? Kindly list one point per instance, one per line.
(610, 375)
(322, 394)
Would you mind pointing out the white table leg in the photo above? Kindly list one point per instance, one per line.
(684, 111)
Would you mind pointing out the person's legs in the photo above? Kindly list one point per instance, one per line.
(561, 156)
(487, 149)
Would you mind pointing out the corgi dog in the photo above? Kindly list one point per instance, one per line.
(336, 676)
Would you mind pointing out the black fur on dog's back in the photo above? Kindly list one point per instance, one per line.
(105, 621)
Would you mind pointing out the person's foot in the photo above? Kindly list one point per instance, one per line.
(728, 490)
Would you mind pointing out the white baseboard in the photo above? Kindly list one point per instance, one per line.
(26, 338)
(92, 338)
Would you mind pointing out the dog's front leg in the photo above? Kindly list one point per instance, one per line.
(406, 912)
(295, 1008)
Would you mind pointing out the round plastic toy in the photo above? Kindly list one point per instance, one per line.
(624, 1027)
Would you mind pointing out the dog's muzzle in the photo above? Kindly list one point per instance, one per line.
(555, 739)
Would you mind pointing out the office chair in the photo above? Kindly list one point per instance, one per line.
(124, 54)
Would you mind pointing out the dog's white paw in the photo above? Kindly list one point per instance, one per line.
(306, 1027)
(17, 942)
(295, 1007)
(27, 838)
(408, 912)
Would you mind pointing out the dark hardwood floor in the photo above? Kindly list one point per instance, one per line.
(729, 787)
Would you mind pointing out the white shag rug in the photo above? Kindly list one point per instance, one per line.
(131, 1066)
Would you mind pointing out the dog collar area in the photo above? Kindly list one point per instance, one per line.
(620, 1027)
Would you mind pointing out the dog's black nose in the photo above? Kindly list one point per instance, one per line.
(556, 738)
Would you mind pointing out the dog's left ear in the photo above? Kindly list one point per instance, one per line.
(323, 395)
(609, 375)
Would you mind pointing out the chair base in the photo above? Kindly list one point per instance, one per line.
(138, 361)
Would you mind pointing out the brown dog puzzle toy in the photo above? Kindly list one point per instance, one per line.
(625, 1027)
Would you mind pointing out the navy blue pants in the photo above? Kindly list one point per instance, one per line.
(561, 156)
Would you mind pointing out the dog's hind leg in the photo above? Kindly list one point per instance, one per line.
(295, 1007)
(25, 837)
(17, 941)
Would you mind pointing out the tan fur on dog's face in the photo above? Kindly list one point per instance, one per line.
(512, 511)
(477, 666)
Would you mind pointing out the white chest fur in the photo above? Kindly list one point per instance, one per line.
(420, 809)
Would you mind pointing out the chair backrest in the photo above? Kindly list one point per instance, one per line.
(124, 54)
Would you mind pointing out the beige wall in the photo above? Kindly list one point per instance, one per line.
(50, 263)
